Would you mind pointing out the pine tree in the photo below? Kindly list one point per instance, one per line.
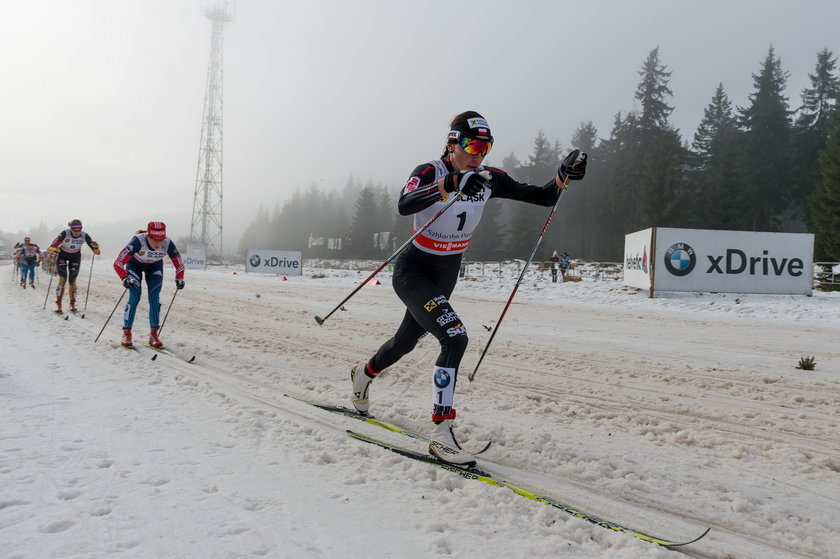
(811, 131)
(571, 227)
(825, 202)
(620, 207)
(386, 219)
(527, 220)
(652, 91)
(646, 157)
(364, 225)
(289, 228)
(715, 176)
(718, 122)
(819, 100)
(766, 143)
(661, 157)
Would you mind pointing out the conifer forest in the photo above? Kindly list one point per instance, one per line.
(771, 163)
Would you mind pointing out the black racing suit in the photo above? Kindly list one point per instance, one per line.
(425, 273)
(69, 258)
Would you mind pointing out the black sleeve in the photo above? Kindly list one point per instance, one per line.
(420, 190)
(504, 186)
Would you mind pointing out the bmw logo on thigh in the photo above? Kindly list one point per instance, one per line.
(680, 259)
(442, 378)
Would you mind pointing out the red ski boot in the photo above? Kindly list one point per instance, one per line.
(154, 341)
(58, 306)
(126, 339)
(73, 305)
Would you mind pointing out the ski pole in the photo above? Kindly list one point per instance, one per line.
(396, 253)
(87, 293)
(167, 310)
(110, 315)
(519, 281)
(47, 296)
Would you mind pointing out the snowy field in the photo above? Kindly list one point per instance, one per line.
(666, 415)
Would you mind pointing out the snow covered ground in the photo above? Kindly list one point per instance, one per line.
(667, 415)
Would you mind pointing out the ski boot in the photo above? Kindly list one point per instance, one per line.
(361, 384)
(126, 339)
(23, 284)
(73, 305)
(58, 306)
(444, 446)
(32, 284)
(154, 341)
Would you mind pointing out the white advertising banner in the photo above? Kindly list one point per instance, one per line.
(726, 261)
(637, 251)
(194, 259)
(280, 262)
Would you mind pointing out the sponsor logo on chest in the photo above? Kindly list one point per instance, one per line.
(151, 254)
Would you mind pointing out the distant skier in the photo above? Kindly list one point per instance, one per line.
(28, 256)
(555, 264)
(426, 272)
(144, 254)
(565, 264)
(67, 247)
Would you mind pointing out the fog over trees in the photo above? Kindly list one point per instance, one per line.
(770, 165)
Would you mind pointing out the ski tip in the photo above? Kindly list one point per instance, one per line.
(154, 356)
(485, 449)
(701, 536)
(191, 359)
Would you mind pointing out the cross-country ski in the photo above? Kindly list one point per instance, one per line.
(481, 475)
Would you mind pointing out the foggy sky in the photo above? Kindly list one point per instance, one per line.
(101, 100)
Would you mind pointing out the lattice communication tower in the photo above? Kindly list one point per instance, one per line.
(206, 228)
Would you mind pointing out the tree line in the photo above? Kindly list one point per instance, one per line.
(762, 167)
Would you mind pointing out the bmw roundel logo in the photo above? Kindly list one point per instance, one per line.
(680, 259)
(442, 378)
(255, 260)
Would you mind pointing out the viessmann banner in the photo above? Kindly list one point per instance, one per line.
(280, 262)
(667, 259)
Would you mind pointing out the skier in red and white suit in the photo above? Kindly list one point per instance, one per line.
(143, 255)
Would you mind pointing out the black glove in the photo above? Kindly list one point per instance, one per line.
(129, 282)
(573, 167)
(179, 284)
(469, 183)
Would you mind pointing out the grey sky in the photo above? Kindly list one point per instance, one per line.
(102, 99)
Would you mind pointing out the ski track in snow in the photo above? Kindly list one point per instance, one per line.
(666, 415)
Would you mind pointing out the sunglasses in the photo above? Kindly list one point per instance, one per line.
(475, 147)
